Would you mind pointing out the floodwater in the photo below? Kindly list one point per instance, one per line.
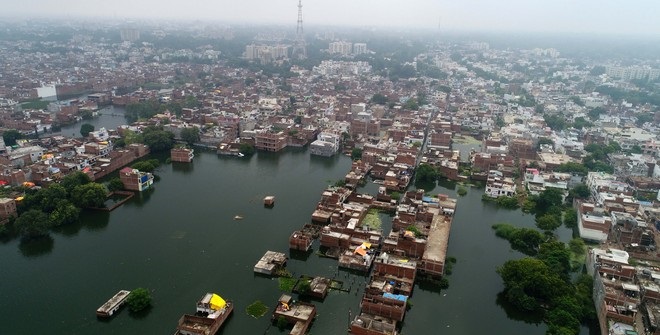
(179, 240)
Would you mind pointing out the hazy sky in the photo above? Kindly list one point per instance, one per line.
(606, 16)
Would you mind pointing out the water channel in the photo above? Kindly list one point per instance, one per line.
(180, 240)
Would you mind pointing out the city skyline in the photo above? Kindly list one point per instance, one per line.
(563, 16)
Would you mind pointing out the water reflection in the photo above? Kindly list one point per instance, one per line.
(96, 220)
(514, 313)
(141, 198)
(36, 247)
(300, 255)
(185, 168)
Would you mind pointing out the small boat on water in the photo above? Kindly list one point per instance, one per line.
(238, 217)
(212, 312)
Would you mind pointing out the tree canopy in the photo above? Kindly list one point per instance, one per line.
(85, 129)
(190, 135)
(89, 195)
(10, 136)
(33, 223)
(138, 299)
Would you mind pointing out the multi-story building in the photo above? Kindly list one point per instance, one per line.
(184, 155)
(269, 141)
(135, 180)
(359, 48)
(341, 47)
(7, 209)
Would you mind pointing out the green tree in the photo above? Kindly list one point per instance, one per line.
(138, 299)
(570, 218)
(33, 223)
(51, 196)
(356, 154)
(115, 184)
(158, 140)
(85, 129)
(548, 222)
(556, 256)
(65, 213)
(426, 174)
(11, 136)
(411, 104)
(379, 99)
(72, 180)
(580, 191)
(577, 246)
(246, 149)
(550, 197)
(89, 195)
(528, 282)
(190, 135)
(146, 166)
(595, 113)
(131, 137)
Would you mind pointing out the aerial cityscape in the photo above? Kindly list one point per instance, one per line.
(272, 167)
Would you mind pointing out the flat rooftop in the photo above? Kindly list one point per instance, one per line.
(438, 238)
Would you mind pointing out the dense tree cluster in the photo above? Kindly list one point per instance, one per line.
(58, 204)
(543, 283)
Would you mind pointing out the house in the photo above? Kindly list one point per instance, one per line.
(135, 180)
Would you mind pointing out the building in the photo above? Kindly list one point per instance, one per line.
(327, 144)
(7, 209)
(184, 155)
(341, 48)
(359, 48)
(129, 35)
(135, 180)
(269, 141)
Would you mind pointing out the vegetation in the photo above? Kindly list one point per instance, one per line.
(256, 309)
(525, 240)
(379, 99)
(461, 191)
(286, 284)
(542, 285)
(89, 195)
(146, 166)
(190, 135)
(356, 154)
(572, 167)
(32, 224)
(418, 233)
(35, 104)
(503, 201)
(58, 204)
(85, 129)
(570, 218)
(138, 299)
(247, 149)
(115, 184)
(158, 139)
(10, 136)
(372, 219)
(426, 174)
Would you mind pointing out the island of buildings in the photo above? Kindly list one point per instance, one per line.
(521, 121)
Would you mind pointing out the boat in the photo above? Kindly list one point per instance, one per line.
(212, 312)
(240, 154)
(238, 217)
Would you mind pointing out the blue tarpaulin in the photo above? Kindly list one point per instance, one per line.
(400, 297)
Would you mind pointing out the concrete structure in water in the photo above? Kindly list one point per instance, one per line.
(113, 305)
(270, 263)
(135, 180)
(183, 155)
(298, 313)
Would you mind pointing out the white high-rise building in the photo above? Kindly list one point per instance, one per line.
(359, 48)
(342, 48)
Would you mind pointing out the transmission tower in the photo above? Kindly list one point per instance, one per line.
(299, 49)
